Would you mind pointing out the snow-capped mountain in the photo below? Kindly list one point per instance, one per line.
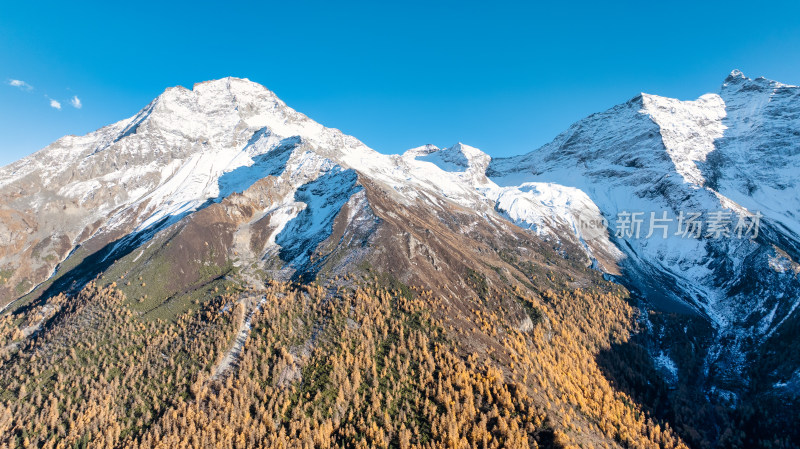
(730, 157)
(185, 150)
(234, 168)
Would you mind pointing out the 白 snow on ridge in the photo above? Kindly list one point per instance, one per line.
(190, 149)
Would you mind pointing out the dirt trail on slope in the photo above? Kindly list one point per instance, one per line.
(251, 304)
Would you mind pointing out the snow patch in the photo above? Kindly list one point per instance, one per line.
(688, 129)
(667, 366)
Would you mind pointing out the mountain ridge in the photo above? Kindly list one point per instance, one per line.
(225, 180)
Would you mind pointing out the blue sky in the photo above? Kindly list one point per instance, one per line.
(503, 76)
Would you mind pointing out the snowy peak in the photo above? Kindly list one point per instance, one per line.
(214, 108)
(756, 161)
(735, 76)
(183, 151)
(224, 114)
(737, 79)
(739, 91)
(458, 158)
(733, 151)
(420, 151)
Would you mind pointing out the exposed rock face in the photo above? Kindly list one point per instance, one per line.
(226, 174)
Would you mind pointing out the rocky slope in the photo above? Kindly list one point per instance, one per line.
(226, 182)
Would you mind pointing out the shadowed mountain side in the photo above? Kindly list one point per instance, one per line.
(324, 198)
(272, 163)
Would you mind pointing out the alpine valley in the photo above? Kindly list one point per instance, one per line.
(221, 271)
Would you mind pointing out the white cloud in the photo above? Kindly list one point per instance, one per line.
(55, 104)
(21, 84)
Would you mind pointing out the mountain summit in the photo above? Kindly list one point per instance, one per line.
(226, 182)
